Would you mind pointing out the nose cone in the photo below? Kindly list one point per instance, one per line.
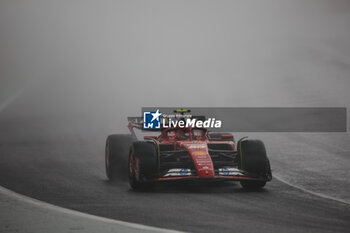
(201, 158)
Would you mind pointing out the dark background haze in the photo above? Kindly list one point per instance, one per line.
(107, 59)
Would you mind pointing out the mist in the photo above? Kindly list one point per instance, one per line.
(72, 71)
(107, 59)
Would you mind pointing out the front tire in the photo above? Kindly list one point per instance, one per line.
(143, 164)
(116, 155)
(252, 158)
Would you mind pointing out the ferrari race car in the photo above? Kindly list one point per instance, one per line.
(186, 153)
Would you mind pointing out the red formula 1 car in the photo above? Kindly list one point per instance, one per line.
(186, 154)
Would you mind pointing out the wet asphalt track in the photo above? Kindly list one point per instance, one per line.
(60, 160)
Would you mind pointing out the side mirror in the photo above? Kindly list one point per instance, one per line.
(149, 137)
(226, 137)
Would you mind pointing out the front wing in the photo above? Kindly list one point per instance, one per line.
(238, 176)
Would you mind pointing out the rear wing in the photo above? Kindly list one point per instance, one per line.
(136, 121)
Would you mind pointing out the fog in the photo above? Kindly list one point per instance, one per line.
(107, 59)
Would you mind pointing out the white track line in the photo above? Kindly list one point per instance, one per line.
(46, 205)
(311, 192)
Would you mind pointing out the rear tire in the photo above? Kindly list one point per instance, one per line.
(143, 164)
(252, 158)
(116, 155)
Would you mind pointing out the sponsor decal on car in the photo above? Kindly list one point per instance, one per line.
(178, 172)
(197, 146)
(200, 153)
(229, 171)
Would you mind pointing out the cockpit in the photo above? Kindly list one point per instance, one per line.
(198, 134)
(179, 134)
(186, 134)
